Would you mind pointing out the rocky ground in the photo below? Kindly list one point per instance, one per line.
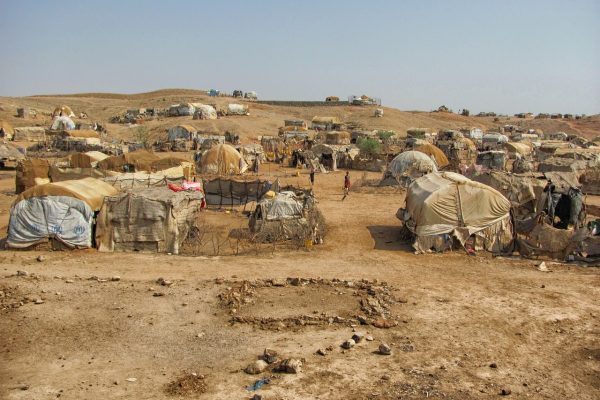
(359, 317)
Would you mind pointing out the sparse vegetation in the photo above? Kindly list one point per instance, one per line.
(369, 146)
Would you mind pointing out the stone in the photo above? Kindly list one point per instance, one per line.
(369, 338)
(256, 367)
(115, 278)
(38, 301)
(41, 258)
(22, 273)
(290, 366)
(164, 282)
(383, 323)
(158, 294)
(269, 356)
(278, 282)
(321, 352)
(131, 379)
(348, 344)
(295, 281)
(493, 365)
(357, 337)
(505, 392)
(256, 397)
(385, 349)
(69, 281)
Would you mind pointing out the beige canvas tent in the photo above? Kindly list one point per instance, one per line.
(90, 190)
(64, 111)
(223, 159)
(153, 219)
(445, 208)
(410, 165)
(434, 152)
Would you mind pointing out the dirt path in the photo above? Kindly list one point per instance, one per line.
(456, 316)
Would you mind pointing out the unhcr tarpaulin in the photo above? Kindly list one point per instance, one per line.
(449, 204)
(90, 190)
(62, 123)
(36, 219)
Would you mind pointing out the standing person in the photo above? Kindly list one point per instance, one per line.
(346, 185)
(312, 176)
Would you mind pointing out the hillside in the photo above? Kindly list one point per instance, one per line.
(264, 119)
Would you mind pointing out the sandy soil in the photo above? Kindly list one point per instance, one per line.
(456, 316)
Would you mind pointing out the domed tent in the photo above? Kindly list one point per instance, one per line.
(61, 211)
(434, 152)
(63, 111)
(223, 159)
(62, 123)
(444, 208)
(410, 165)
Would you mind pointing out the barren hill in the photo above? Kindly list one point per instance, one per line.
(263, 120)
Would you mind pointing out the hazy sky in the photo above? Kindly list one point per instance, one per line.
(504, 55)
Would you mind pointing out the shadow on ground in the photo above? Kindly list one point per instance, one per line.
(387, 237)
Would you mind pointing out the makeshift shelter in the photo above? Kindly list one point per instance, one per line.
(9, 154)
(62, 123)
(237, 109)
(518, 149)
(31, 172)
(410, 165)
(235, 191)
(435, 153)
(287, 215)
(204, 111)
(333, 156)
(560, 164)
(185, 132)
(493, 159)
(6, 130)
(324, 123)
(223, 159)
(63, 111)
(335, 137)
(29, 134)
(61, 212)
(179, 110)
(140, 160)
(472, 133)
(154, 219)
(206, 142)
(445, 208)
(273, 146)
(89, 159)
(493, 141)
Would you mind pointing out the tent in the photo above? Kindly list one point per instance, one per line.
(140, 160)
(62, 212)
(434, 152)
(338, 137)
(237, 109)
(410, 165)
(6, 130)
(204, 111)
(8, 152)
(444, 207)
(324, 123)
(186, 132)
(521, 148)
(287, 215)
(153, 219)
(62, 123)
(223, 159)
(29, 134)
(63, 111)
(184, 109)
(89, 159)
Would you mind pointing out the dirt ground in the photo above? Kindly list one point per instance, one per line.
(467, 327)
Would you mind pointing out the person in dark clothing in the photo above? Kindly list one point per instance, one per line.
(312, 176)
(346, 185)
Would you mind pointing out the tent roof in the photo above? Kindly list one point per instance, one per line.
(223, 159)
(81, 133)
(188, 128)
(326, 120)
(433, 151)
(10, 151)
(66, 111)
(90, 190)
(411, 163)
(518, 147)
(444, 202)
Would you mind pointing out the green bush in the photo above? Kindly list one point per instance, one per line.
(385, 135)
(369, 146)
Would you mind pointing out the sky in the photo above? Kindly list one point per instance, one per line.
(506, 56)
